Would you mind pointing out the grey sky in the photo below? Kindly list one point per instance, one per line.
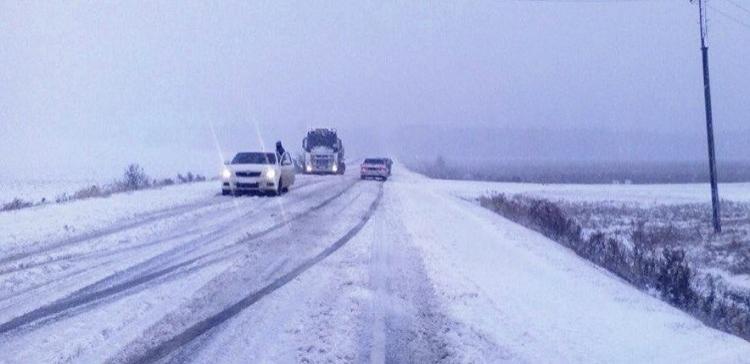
(87, 87)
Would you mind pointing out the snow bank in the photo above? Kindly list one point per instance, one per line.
(536, 300)
(22, 228)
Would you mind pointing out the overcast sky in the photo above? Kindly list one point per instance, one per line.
(86, 87)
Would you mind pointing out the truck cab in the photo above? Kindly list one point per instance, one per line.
(324, 152)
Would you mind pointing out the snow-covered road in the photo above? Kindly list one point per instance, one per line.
(337, 270)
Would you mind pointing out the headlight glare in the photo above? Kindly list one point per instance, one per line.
(270, 173)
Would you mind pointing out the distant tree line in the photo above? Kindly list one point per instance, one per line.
(480, 169)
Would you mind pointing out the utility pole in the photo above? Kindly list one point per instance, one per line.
(709, 121)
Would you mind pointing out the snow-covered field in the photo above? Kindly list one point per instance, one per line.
(644, 195)
(34, 191)
(682, 211)
(337, 270)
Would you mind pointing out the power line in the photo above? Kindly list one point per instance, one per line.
(739, 21)
(723, 13)
(737, 5)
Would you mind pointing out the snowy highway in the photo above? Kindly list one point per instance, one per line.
(336, 270)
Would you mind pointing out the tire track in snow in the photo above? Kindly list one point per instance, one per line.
(110, 255)
(118, 227)
(215, 235)
(404, 323)
(74, 273)
(94, 254)
(164, 348)
(104, 288)
(139, 221)
(278, 256)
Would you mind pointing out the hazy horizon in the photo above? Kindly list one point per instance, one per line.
(90, 87)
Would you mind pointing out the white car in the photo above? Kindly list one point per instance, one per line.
(257, 172)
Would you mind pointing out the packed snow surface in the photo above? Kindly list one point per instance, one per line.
(336, 270)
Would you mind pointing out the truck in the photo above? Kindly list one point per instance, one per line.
(324, 152)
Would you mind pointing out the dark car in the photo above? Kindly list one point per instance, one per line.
(375, 168)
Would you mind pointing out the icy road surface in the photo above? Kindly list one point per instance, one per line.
(337, 270)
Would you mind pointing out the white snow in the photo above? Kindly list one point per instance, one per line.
(54, 222)
(641, 194)
(432, 277)
(539, 301)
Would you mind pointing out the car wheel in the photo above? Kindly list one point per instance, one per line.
(225, 192)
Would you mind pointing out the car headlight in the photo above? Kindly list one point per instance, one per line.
(270, 173)
(335, 168)
(309, 168)
(226, 173)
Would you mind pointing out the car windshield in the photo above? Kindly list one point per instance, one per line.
(374, 161)
(254, 158)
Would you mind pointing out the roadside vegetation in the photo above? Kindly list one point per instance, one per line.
(668, 250)
(134, 178)
(16, 204)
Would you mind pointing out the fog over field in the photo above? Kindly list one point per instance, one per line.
(175, 86)
(511, 181)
